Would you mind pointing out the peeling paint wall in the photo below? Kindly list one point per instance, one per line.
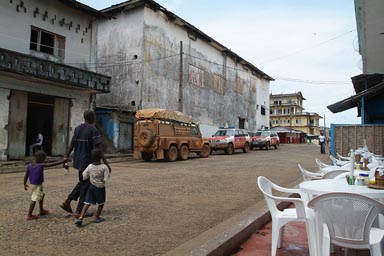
(4, 106)
(120, 55)
(216, 89)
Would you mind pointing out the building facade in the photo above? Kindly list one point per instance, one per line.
(158, 60)
(286, 110)
(46, 75)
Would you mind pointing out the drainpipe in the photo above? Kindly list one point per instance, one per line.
(180, 107)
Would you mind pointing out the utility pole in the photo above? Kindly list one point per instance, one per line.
(181, 78)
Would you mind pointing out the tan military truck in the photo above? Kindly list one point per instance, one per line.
(168, 134)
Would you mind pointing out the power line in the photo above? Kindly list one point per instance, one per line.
(304, 49)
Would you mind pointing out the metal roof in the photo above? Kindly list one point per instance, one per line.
(84, 8)
(374, 84)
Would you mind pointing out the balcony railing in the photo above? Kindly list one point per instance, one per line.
(52, 71)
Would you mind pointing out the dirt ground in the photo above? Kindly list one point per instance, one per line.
(151, 207)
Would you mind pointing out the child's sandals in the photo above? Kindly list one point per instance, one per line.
(32, 217)
(98, 220)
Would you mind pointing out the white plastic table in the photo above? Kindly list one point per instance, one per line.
(319, 187)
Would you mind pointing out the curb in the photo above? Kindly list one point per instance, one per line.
(227, 237)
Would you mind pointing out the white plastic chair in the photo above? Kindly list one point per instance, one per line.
(339, 162)
(320, 164)
(335, 173)
(281, 218)
(344, 158)
(345, 219)
(308, 175)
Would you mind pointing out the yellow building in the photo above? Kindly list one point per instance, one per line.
(286, 110)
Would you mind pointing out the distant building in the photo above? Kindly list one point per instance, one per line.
(47, 73)
(286, 110)
(158, 60)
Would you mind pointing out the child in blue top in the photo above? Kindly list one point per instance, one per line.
(35, 174)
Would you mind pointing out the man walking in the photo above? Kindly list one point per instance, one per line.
(322, 142)
(85, 138)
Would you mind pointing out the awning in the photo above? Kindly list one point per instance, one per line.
(374, 84)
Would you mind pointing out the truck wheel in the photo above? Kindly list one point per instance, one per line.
(229, 150)
(277, 145)
(183, 153)
(146, 138)
(171, 154)
(147, 157)
(205, 151)
(267, 146)
(246, 148)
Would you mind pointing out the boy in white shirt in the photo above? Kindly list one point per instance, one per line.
(98, 173)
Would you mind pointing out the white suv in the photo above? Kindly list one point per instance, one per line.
(265, 139)
(229, 140)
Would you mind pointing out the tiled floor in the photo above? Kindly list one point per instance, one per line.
(294, 243)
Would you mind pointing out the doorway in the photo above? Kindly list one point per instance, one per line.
(39, 120)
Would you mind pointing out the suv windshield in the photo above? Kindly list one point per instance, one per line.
(224, 133)
(262, 134)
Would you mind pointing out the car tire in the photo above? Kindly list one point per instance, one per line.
(146, 138)
(229, 150)
(246, 148)
(171, 154)
(183, 153)
(277, 145)
(205, 151)
(267, 146)
(147, 156)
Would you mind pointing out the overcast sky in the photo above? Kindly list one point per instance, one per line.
(306, 45)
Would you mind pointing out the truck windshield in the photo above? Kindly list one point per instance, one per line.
(224, 133)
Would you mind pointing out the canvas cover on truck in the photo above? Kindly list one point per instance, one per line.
(163, 114)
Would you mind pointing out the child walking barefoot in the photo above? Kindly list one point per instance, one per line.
(35, 174)
(98, 174)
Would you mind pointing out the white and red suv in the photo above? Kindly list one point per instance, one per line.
(230, 139)
(265, 139)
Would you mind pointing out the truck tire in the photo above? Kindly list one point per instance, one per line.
(205, 151)
(229, 150)
(183, 153)
(147, 156)
(146, 138)
(171, 154)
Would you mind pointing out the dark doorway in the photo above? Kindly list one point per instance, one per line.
(241, 123)
(40, 120)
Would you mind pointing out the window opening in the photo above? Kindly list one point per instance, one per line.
(44, 41)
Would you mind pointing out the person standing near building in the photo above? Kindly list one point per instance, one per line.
(322, 142)
(85, 138)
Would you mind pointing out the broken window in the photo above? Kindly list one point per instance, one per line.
(44, 41)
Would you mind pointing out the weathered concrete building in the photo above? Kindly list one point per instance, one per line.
(46, 77)
(157, 59)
